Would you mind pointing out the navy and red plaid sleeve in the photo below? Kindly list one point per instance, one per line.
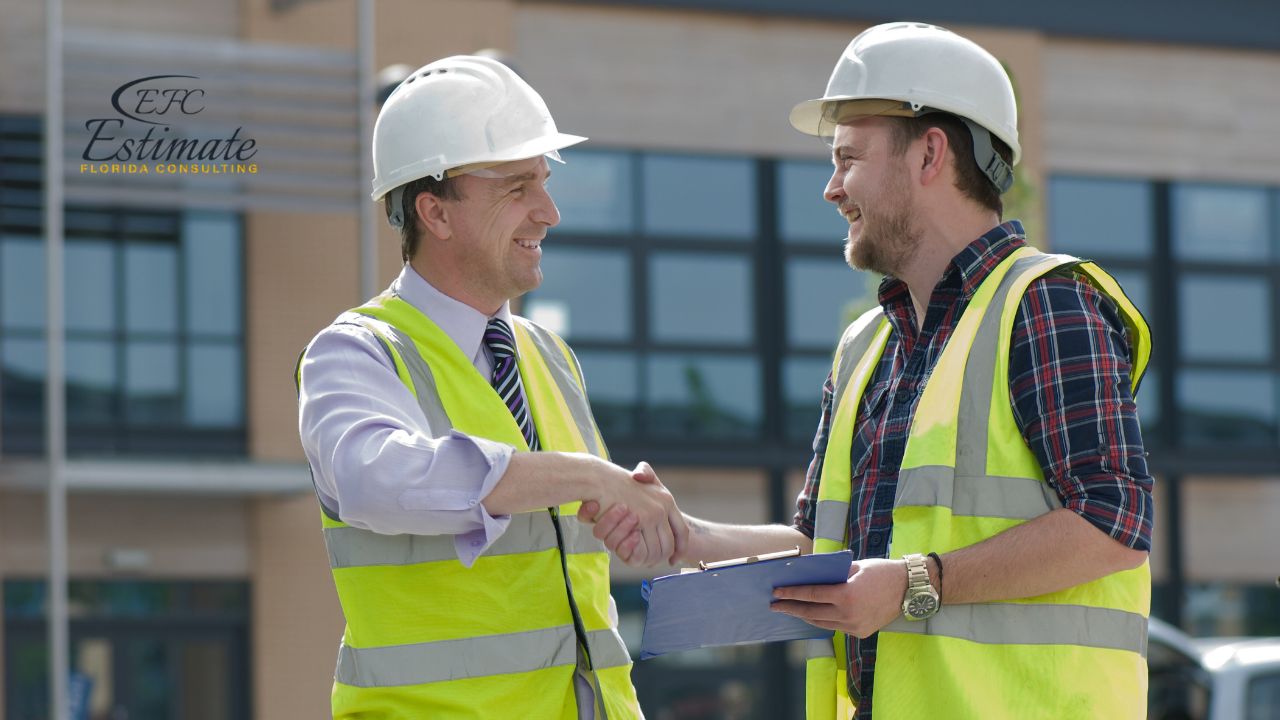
(807, 502)
(1072, 398)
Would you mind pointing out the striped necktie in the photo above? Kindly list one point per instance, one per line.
(506, 377)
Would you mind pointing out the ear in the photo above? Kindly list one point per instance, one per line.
(433, 215)
(933, 160)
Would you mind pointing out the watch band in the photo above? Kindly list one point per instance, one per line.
(917, 572)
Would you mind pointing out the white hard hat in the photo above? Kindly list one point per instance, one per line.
(922, 68)
(458, 111)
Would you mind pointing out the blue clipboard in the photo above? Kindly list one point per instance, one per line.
(728, 603)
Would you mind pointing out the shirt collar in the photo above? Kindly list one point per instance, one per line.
(463, 324)
(967, 269)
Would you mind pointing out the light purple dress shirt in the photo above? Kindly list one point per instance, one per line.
(377, 463)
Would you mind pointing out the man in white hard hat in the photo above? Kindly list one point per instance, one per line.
(450, 440)
(979, 448)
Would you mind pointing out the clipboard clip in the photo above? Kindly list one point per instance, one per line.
(793, 552)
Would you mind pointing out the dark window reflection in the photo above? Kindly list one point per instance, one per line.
(154, 334)
(151, 287)
(803, 213)
(1264, 697)
(152, 392)
(1100, 217)
(585, 293)
(211, 254)
(1222, 408)
(696, 395)
(701, 297)
(90, 285)
(593, 191)
(91, 381)
(214, 367)
(1208, 333)
(1221, 223)
(824, 295)
(802, 379)
(22, 300)
(613, 387)
(708, 197)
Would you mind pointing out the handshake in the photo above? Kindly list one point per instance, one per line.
(636, 517)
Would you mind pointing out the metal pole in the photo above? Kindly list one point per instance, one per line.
(365, 105)
(55, 390)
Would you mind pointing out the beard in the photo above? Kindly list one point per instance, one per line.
(889, 238)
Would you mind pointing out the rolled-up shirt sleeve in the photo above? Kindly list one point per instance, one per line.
(1069, 367)
(377, 463)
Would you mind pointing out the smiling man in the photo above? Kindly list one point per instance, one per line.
(979, 449)
(450, 440)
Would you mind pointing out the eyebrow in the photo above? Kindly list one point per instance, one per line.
(522, 178)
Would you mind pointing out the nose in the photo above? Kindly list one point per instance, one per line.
(545, 211)
(834, 192)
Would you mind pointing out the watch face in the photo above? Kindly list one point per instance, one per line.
(922, 606)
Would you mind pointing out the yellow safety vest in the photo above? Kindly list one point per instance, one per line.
(427, 637)
(967, 475)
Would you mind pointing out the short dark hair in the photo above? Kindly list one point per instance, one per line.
(411, 232)
(970, 179)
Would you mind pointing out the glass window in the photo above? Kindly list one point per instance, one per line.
(90, 285)
(1148, 402)
(22, 300)
(612, 380)
(802, 379)
(150, 287)
(585, 293)
(824, 295)
(1227, 407)
(697, 395)
(211, 259)
(1100, 216)
(699, 196)
(1225, 317)
(91, 381)
(23, 382)
(1264, 692)
(701, 297)
(803, 213)
(593, 191)
(215, 385)
(1220, 223)
(152, 393)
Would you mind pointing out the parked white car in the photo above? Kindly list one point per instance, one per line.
(1212, 678)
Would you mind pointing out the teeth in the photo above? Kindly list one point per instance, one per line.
(529, 244)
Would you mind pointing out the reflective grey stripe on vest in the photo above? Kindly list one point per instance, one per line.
(424, 382)
(831, 519)
(853, 347)
(975, 495)
(966, 489)
(474, 657)
(575, 396)
(1034, 624)
(527, 533)
(814, 649)
(980, 367)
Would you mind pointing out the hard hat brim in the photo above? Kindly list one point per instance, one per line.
(533, 148)
(807, 116)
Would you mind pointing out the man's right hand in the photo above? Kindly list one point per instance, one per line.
(631, 535)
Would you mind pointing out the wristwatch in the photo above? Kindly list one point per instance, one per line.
(921, 601)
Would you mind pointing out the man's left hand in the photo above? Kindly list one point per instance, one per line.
(869, 600)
